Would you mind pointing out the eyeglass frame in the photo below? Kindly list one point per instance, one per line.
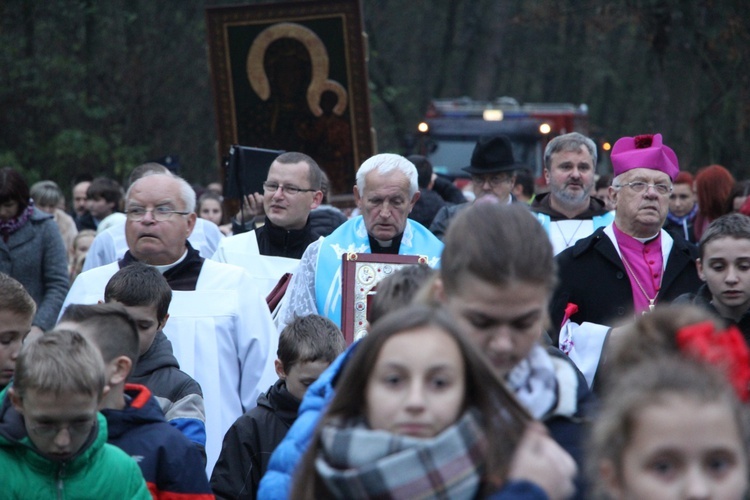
(163, 215)
(646, 186)
(290, 190)
(479, 180)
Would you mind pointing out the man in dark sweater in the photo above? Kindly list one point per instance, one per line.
(292, 189)
(306, 347)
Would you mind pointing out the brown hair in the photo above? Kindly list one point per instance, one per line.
(712, 186)
(309, 338)
(13, 187)
(503, 418)
(59, 361)
(113, 330)
(650, 336)
(15, 298)
(498, 244)
(645, 384)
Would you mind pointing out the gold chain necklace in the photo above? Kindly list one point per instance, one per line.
(643, 291)
(569, 241)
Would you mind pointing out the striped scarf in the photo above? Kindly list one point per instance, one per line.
(358, 462)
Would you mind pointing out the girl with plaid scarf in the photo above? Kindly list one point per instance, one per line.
(418, 413)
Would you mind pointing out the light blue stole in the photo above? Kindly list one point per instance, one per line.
(352, 237)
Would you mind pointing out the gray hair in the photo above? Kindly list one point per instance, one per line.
(385, 163)
(46, 193)
(569, 142)
(187, 193)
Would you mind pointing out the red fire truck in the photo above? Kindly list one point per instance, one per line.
(452, 126)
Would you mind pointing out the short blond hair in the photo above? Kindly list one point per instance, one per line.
(57, 362)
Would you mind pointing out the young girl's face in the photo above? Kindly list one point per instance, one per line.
(417, 385)
(682, 448)
(211, 210)
(503, 321)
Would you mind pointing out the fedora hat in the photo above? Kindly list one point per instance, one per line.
(492, 155)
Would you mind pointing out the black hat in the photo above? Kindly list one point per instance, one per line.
(492, 155)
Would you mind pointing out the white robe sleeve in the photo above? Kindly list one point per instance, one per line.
(205, 237)
(583, 344)
(299, 299)
(101, 252)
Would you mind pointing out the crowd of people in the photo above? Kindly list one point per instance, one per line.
(581, 337)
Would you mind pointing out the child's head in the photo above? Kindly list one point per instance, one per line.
(398, 290)
(651, 336)
(417, 330)
(110, 328)
(670, 429)
(82, 242)
(307, 346)
(497, 274)
(17, 310)
(209, 207)
(415, 374)
(724, 263)
(57, 387)
(146, 295)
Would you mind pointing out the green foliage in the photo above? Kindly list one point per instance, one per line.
(99, 87)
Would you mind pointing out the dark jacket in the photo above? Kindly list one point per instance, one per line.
(179, 395)
(446, 214)
(325, 219)
(703, 298)
(593, 277)
(86, 221)
(443, 218)
(278, 242)
(684, 230)
(427, 206)
(542, 205)
(169, 462)
(35, 255)
(448, 191)
(248, 444)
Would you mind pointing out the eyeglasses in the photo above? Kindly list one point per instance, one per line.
(49, 431)
(160, 214)
(640, 187)
(494, 180)
(272, 187)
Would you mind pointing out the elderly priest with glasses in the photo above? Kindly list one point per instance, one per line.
(627, 267)
(219, 325)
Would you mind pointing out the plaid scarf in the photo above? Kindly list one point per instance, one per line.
(358, 462)
(10, 226)
(534, 383)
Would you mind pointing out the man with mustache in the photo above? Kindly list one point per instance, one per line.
(569, 212)
(627, 267)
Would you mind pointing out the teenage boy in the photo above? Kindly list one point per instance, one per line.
(170, 463)
(724, 266)
(306, 347)
(146, 295)
(17, 310)
(53, 444)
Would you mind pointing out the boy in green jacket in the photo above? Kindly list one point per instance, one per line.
(53, 443)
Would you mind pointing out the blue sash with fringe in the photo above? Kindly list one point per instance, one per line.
(352, 237)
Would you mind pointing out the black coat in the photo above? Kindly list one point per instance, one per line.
(593, 277)
(248, 444)
(426, 207)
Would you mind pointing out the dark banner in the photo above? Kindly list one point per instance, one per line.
(293, 77)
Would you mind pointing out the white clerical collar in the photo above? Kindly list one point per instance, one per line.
(645, 240)
(163, 269)
(384, 244)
